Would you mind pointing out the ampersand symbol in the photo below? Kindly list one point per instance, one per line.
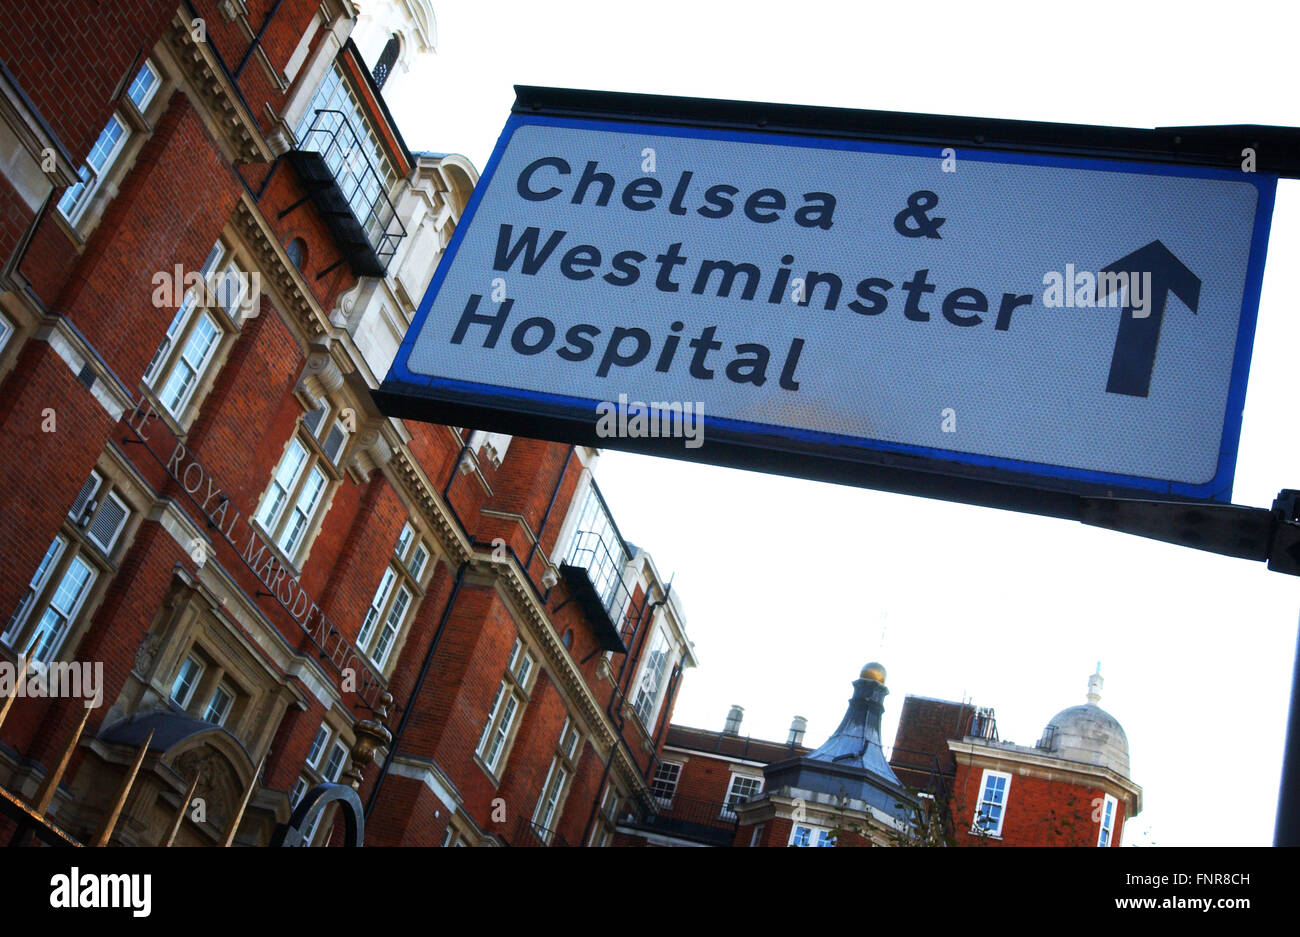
(918, 206)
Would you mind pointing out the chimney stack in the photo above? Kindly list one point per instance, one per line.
(798, 726)
(734, 715)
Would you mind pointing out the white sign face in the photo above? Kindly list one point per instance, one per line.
(1085, 321)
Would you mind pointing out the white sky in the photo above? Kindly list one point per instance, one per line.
(790, 586)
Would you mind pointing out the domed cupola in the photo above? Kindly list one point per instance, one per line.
(1088, 733)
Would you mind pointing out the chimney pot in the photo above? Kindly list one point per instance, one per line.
(734, 715)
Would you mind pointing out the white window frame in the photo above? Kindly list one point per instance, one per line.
(300, 787)
(230, 694)
(193, 685)
(603, 832)
(118, 502)
(318, 744)
(71, 567)
(76, 198)
(551, 800)
(504, 713)
(666, 801)
(656, 662)
(292, 506)
(7, 330)
(818, 836)
(396, 596)
(729, 804)
(335, 93)
(326, 777)
(976, 826)
(1109, 813)
(165, 375)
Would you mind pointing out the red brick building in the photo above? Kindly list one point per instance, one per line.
(1071, 788)
(214, 237)
(947, 779)
(232, 587)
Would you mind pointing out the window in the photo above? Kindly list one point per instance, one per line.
(329, 775)
(187, 679)
(387, 59)
(743, 787)
(6, 331)
(993, 802)
(570, 740)
(338, 757)
(548, 804)
(100, 512)
(603, 834)
(504, 711)
(108, 146)
(1109, 808)
(650, 687)
(810, 836)
(317, 746)
(186, 352)
(218, 707)
(394, 598)
(331, 434)
(291, 504)
(296, 251)
(335, 126)
(314, 773)
(664, 784)
(73, 562)
(598, 547)
(143, 87)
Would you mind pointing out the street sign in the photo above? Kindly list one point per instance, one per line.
(954, 320)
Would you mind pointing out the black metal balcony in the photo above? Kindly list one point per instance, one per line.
(593, 571)
(708, 822)
(349, 192)
(529, 834)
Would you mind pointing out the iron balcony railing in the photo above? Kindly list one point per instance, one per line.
(529, 834)
(359, 183)
(702, 821)
(604, 565)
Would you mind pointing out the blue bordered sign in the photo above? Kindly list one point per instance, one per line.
(973, 323)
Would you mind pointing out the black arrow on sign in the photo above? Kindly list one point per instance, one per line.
(1135, 343)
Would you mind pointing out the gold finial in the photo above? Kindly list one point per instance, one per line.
(372, 735)
(873, 671)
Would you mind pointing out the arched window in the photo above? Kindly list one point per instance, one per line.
(297, 252)
(567, 640)
(387, 59)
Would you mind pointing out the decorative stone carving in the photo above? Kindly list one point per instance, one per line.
(322, 367)
(218, 783)
(146, 652)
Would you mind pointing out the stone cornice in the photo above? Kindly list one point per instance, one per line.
(410, 478)
(299, 304)
(1032, 764)
(529, 610)
(210, 84)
